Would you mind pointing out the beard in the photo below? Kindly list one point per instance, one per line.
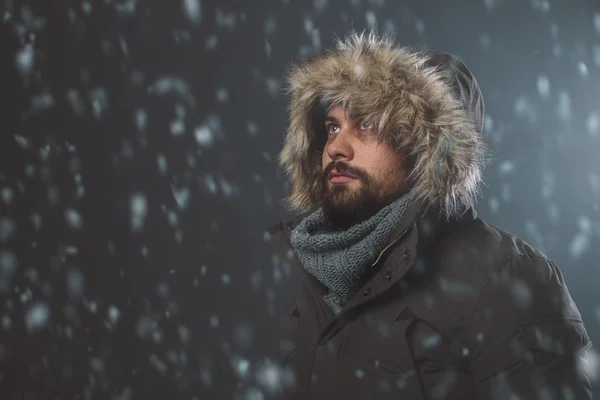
(345, 204)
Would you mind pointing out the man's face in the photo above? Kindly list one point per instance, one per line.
(361, 175)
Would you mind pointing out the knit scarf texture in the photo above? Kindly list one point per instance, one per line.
(338, 259)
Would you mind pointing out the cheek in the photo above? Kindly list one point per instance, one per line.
(324, 160)
(388, 168)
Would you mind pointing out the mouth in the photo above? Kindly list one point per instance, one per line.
(340, 178)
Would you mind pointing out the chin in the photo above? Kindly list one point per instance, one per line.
(342, 191)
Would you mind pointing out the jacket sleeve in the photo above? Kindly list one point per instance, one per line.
(530, 341)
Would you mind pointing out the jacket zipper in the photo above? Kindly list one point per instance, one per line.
(338, 318)
(331, 329)
(388, 246)
(330, 332)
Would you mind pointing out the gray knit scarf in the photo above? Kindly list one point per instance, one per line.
(338, 259)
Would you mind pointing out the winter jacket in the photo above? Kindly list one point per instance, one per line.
(455, 309)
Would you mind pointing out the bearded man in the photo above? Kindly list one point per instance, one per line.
(405, 292)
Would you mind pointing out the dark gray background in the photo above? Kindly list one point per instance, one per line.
(138, 175)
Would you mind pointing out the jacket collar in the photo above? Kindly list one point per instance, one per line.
(415, 237)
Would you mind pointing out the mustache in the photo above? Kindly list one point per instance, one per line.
(343, 168)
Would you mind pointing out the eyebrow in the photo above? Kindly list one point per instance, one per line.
(330, 118)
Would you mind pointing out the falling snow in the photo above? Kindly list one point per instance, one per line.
(140, 171)
(139, 210)
(37, 316)
(170, 84)
(25, 59)
(204, 136)
(193, 11)
(73, 218)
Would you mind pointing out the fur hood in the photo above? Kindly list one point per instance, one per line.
(427, 104)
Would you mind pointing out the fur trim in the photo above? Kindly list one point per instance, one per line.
(413, 106)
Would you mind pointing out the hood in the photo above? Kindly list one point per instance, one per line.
(427, 104)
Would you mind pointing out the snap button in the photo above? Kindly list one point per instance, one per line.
(406, 254)
(367, 291)
(388, 276)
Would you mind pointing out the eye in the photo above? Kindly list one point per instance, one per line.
(366, 125)
(330, 128)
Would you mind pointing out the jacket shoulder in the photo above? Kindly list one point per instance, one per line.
(489, 282)
(525, 320)
(465, 261)
(513, 283)
(477, 252)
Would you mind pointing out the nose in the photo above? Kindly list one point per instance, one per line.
(340, 147)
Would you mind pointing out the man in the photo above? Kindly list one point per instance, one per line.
(405, 293)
